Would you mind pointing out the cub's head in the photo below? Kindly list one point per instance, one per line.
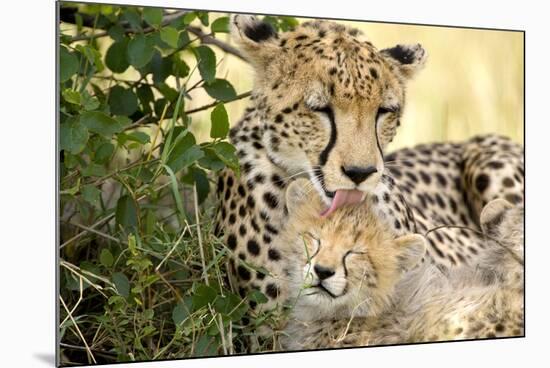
(350, 261)
(329, 100)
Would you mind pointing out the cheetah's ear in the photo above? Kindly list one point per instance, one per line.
(408, 59)
(493, 214)
(256, 38)
(302, 198)
(412, 248)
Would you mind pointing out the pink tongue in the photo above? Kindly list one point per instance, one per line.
(342, 198)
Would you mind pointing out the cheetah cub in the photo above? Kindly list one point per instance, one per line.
(354, 283)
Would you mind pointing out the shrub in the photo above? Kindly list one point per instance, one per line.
(142, 276)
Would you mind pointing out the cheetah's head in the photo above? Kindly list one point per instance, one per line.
(348, 263)
(329, 101)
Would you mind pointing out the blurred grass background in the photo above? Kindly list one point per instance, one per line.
(472, 83)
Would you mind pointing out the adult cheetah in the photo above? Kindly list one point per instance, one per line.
(325, 102)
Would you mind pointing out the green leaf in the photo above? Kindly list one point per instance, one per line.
(206, 60)
(68, 64)
(93, 56)
(211, 161)
(71, 96)
(220, 122)
(179, 67)
(167, 91)
(257, 296)
(220, 25)
(288, 23)
(100, 123)
(184, 153)
(203, 16)
(73, 136)
(145, 96)
(115, 58)
(170, 35)
(198, 177)
(153, 16)
(226, 152)
(220, 89)
(94, 169)
(116, 32)
(138, 137)
(189, 17)
(180, 313)
(122, 284)
(91, 194)
(106, 258)
(89, 102)
(140, 51)
(126, 212)
(104, 152)
(203, 295)
(131, 15)
(161, 68)
(122, 101)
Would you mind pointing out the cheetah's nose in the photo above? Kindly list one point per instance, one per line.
(358, 174)
(323, 272)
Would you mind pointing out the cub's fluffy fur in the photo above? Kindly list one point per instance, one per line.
(354, 283)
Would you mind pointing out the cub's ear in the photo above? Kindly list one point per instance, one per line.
(492, 215)
(302, 198)
(257, 39)
(412, 248)
(408, 59)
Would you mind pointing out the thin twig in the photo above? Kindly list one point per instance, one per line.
(199, 235)
(208, 39)
(90, 354)
(205, 107)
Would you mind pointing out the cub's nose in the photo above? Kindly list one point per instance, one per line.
(358, 174)
(323, 272)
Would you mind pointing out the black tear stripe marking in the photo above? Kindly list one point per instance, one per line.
(377, 140)
(323, 157)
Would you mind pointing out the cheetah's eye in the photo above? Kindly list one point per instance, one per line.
(386, 110)
(322, 109)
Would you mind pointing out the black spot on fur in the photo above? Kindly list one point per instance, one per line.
(508, 182)
(270, 200)
(274, 255)
(242, 211)
(278, 118)
(373, 73)
(495, 165)
(482, 182)
(232, 241)
(244, 274)
(260, 32)
(441, 179)
(242, 230)
(425, 177)
(513, 198)
(272, 290)
(253, 247)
